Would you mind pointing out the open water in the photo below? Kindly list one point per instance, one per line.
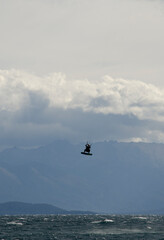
(70, 227)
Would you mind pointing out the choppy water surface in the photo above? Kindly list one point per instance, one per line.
(72, 227)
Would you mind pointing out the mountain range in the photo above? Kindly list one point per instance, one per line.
(120, 178)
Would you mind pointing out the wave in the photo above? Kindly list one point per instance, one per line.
(104, 221)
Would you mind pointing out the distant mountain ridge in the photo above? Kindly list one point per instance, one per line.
(20, 208)
(119, 178)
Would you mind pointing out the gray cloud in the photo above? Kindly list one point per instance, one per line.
(85, 40)
(36, 110)
(20, 90)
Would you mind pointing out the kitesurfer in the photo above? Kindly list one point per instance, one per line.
(87, 148)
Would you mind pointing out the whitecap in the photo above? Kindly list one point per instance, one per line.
(149, 227)
(108, 220)
(15, 223)
(103, 221)
(142, 218)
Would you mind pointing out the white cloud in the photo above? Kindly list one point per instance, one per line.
(35, 110)
(85, 40)
(134, 140)
(106, 96)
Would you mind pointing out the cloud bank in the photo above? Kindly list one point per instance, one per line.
(51, 106)
(19, 90)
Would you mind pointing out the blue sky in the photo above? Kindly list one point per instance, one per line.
(81, 70)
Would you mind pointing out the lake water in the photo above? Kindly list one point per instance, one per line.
(71, 227)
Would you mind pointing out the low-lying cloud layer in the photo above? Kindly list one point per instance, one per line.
(19, 90)
(54, 106)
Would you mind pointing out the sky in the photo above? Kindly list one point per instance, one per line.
(81, 70)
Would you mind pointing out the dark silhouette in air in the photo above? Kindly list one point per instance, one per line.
(87, 149)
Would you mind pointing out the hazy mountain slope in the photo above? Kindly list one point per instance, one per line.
(17, 208)
(118, 178)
